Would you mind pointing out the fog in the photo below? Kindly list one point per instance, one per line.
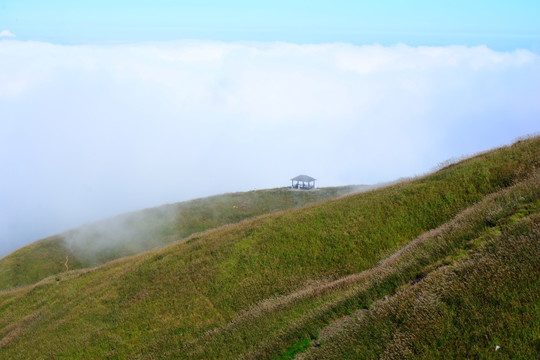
(88, 132)
(122, 235)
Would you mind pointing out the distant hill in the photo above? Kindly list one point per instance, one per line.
(443, 266)
(140, 231)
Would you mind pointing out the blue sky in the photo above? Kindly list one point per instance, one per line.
(501, 25)
(108, 107)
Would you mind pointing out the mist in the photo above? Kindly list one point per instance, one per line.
(88, 132)
(123, 235)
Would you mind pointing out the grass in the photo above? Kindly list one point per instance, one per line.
(410, 265)
(416, 255)
(298, 347)
(463, 310)
(140, 231)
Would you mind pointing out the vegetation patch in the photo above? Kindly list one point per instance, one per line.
(298, 347)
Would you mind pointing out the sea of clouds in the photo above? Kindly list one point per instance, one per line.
(90, 131)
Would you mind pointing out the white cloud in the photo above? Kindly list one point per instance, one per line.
(90, 131)
(6, 33)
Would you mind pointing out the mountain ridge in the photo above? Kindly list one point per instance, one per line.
(130, 233)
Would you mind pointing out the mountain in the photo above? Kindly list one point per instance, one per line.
(442, 266)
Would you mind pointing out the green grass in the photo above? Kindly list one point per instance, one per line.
(140, 231)
(298, 347)
(260, 288)
(451, 242)
(463, 310)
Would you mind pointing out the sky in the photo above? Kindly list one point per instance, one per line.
(108, 108)
(500, 25)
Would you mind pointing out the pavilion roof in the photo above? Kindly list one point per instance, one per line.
(304, 178)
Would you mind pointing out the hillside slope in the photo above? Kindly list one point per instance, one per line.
(421, 254)
(139, 231)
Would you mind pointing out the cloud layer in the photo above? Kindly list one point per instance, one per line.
(92, 131)
(6, 33)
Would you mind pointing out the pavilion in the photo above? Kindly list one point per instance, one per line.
(303, 182)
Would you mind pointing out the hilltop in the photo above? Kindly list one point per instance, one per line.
(132, 233)
(444, 266)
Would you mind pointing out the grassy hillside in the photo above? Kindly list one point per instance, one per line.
(395, 272)
(483, 299)
(136, 232)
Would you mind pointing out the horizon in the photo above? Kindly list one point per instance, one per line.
(107, 109)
